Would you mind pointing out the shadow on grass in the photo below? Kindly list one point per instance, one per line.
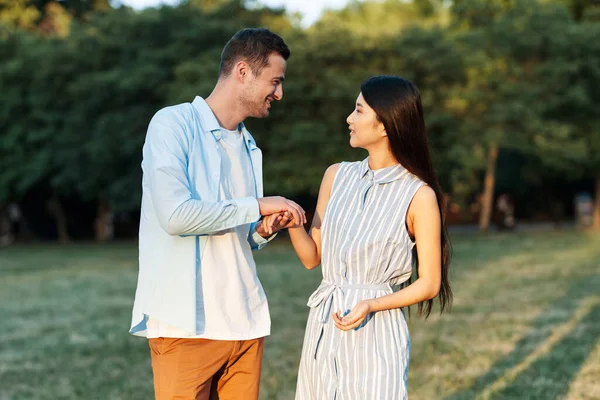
(549, 376)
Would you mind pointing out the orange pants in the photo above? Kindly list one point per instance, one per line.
(202, 369)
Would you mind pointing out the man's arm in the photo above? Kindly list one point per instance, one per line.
(165, 162)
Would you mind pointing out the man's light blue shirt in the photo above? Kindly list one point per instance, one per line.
(180, 208)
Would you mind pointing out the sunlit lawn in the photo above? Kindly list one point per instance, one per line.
(525, 322)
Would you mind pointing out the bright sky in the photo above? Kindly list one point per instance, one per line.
(310, 9)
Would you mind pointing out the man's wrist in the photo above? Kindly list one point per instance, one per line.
(260, 230)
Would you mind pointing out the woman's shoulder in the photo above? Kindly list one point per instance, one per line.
(424, 201)
(425, 193)
(342, 170)
(329, 176)
(332, 169)
(340, 173)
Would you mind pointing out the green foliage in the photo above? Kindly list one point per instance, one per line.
(528, 88)
(520, 74)
(19, 14)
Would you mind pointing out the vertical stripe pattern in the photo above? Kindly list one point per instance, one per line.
(366, 250)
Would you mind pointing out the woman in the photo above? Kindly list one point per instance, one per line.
(370, 216)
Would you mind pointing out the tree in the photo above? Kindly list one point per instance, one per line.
(572, 99)
(377, 20)
(582, 9)
(19, 14)
(50, 17)
(500, 104)
(56, 20)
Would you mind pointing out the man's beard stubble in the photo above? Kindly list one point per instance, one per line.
(254, 108)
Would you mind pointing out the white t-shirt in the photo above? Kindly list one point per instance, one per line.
(233, 300)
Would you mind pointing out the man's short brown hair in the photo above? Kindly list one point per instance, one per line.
(253, 45)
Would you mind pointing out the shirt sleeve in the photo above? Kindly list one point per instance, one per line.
(256, 241)
(165, 156)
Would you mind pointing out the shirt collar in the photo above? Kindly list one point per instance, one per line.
(384, 175)
(210, 123)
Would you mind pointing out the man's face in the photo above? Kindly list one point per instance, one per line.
(260, 91)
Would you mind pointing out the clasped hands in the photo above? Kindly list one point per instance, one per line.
(278, 213)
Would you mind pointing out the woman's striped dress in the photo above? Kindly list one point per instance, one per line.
(366, 250)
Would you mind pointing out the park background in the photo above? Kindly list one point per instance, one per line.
(510, 91)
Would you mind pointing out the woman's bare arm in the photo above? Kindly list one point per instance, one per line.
(308, 245)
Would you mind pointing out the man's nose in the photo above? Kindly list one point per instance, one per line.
(278, 95)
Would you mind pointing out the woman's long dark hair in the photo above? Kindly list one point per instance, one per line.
(397, 103)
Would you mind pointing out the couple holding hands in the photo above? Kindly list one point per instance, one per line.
(199, 300)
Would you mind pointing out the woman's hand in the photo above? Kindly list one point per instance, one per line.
(276, 222)
(266, 226)
(282, 220)
(353, 319)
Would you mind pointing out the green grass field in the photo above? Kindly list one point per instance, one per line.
(525, 322)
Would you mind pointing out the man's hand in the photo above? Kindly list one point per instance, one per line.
(277, 204)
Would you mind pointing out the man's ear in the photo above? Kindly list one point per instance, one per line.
(242, 71)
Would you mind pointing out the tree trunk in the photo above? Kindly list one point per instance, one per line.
(57, 211)
(6, 236)
(596, 212)
(487, 200)
(104, 231)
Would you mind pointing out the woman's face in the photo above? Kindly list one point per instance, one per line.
(366, 130)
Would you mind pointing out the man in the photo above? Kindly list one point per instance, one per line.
(198, 299)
